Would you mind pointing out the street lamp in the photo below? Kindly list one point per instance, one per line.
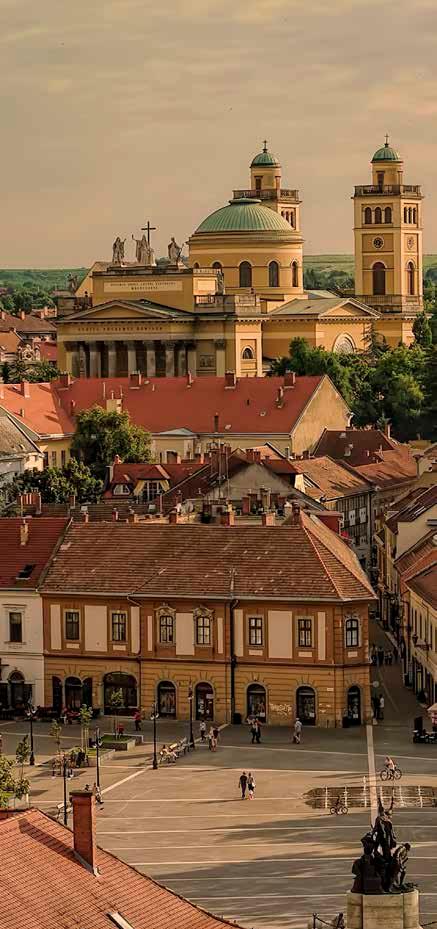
(31, 713)
(154, 717)
(190, 700)
(65, 762)
(97, 744)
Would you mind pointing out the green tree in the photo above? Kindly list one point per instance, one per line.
(8, 303)
(22, 753)
(101, 435)
(85, 716)
(430, 390)
(55, 732)
(10, 786)
(115, 702)
(422, 330)
(57, 485)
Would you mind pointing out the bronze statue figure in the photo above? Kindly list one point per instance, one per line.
(383, 864)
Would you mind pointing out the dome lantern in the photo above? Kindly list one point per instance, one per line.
(386, 153)
(265, 159)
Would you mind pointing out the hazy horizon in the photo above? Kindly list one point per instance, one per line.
(118, 112)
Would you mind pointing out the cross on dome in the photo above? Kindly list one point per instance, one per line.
(265, 145)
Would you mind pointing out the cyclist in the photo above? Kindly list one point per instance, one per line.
(390, 765)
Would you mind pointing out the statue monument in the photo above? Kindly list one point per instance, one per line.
(175, 252)
(380, 895)
(118, 251)
(144, 252)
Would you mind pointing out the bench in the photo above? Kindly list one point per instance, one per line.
(60, 809)
(172, 752)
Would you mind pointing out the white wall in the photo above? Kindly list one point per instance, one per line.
(25, 656)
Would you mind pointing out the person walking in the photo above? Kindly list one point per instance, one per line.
(253, 730)
(251, 785)
(216, 733)
(380, 655)
(210, 738)
(137, 721)
(381, 707)
(202, 730)
(257, 731)
(375, 706)
(297, 731)
(242, 783)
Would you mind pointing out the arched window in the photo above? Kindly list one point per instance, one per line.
(405, 214)
(57, 702)
(273, 274)
(247, 353)
(204, 701)
(257, 702)
(167, 699)
(21, 693)
(294, 274)
(344, 344)
(245, 274)
(196, 265)
(368, 216)
(352, 632)
(378, 272)
(388, 214)
(119, 681)
(217, 266)
(378, 215)
(306, 705)
(411, 278)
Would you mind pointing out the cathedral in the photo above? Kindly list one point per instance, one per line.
(240, 299)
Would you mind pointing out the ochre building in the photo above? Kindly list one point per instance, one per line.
(265, 620)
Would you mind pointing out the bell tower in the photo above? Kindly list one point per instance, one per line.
(388, 245)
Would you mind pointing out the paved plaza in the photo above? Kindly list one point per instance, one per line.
(272, 861)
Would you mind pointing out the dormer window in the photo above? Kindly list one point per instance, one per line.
(121, 490)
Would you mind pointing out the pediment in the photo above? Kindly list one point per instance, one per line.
(125, 309)
(348, 307)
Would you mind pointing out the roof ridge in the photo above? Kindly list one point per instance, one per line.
(322, 562)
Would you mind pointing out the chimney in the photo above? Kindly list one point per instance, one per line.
(24, 532)
(115, 515)
(216, 422)
(387, 430)
(306, 455)
(64, 380)
(72, 501)
(230, 379)
(280, 397)
(296, 515)
(268, 519)
(135, 380)
(189, 379)
(173, 517)
(72, 407)
(132, 516)
(227, 518)
(84, 828)
(37, 502)
(2, 314)
(25, 389)
(289, 379)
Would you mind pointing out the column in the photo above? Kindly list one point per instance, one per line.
(259, 355)
(94, 360)
(131, 358)
(181, 359)
(71, 363)
(192, 358)
(220, 357)
(150, 359)
(112, 359)
(169, 358)
(82, 360)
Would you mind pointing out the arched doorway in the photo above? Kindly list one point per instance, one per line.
(57, 702)
(167, 699)
(20, 695)
(73, 693)
(354, 706)
(306, 705)
(87, 691)
(204, 701)
(119, 680)
(378, 272)
(257, 702)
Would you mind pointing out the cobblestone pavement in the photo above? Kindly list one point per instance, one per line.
(267, 863)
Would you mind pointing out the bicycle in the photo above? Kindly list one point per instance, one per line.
(390, 774)
(340, 808)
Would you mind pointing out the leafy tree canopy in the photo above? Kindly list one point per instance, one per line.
(101, 435)
(56, 485)
(422, 330)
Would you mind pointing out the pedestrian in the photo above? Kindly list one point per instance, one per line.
(215, 733)
(210, 738)
(297, 731)
(380, 655)
(253, 730)
(251, 785)
(98, 794)
(202, 730)
(137, 721)
(242, 783)
(375, 706)
(395, 653)
(257, 731)
(381, 707)
(213, 743)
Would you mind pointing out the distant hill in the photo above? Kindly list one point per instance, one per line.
(36, 278)
(327, 263)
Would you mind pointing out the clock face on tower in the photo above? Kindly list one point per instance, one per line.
(378, 242)
(410, 242)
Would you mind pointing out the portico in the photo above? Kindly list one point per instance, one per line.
(119, 358)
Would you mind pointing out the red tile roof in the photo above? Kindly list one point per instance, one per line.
(30, 324)
(41, 411)
(357, 442)
(132, 473)
(43, 886)
(416, 503)
(43, 536)
(48, 350)
(425, 584)
(390, 468)
(303, 561)
(331, 478)
(165, 403)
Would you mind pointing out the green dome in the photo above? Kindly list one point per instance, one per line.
(244, 215)
(265, 159)
(386, 153)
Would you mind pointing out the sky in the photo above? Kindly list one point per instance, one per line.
(116, 112)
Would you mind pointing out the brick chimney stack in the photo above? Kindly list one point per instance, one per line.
(135, 380)
(84, 828)
(24, 532)
(25, 389)
(289, 379)
(64, 380)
